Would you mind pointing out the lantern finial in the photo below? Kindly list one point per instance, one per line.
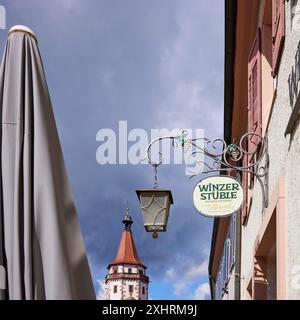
(155, 234)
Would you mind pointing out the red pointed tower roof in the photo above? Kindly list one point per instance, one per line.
(127, 253)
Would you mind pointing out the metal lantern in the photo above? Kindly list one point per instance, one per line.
(155, 207)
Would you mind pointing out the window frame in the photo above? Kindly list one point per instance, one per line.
(232, 235)
(278, 33)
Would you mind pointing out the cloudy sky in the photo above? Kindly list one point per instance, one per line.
(155, 64)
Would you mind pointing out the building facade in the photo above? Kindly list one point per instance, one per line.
(255, 253)
(126, 278)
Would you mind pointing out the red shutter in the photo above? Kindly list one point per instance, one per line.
(254, 92)
(278, 32)
(245, 190)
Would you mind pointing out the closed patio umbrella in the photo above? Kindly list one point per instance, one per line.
(42, 250)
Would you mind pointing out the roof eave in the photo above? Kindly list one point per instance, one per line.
(230, 26)
(126, 263)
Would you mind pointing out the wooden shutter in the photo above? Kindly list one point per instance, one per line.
(278, 33)
(245, 190)
(254, 93)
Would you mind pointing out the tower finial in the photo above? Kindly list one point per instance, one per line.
(127, 220)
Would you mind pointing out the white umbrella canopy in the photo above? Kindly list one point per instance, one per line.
(43, 251)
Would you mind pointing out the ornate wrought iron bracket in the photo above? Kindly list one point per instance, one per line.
(220, 157)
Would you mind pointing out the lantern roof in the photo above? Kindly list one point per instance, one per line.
(127, 252)
(139, 192)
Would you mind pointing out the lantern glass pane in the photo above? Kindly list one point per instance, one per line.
(155, 208)
(160, 218)
(148, 217)
(161, 199)
(145, 198)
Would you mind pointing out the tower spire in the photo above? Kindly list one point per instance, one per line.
(126, 278)
(127, 220)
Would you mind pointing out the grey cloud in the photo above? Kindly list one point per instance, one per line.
(107, 61)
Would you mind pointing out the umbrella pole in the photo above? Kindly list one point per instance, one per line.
(2, 253)
(2, 262)
(2, 257)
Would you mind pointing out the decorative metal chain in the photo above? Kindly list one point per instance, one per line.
(155, 185)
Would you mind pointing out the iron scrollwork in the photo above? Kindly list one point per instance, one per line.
(220, 157)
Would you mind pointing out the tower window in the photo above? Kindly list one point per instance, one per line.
(129, 270)
(115, 289)
(130, 289)
(143, 290)
(141, 272)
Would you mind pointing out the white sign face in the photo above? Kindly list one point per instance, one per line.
(218, 196)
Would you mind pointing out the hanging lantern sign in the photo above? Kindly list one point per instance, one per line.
(155, 207)
(218, 196)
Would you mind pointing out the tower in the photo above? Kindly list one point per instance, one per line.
(126, 278)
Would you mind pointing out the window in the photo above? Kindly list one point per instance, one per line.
(226, 262)
(223, 274)
(130, 289)
(143, 290)
(266, 64)
(232, 242)
(254, 93)
(254, 100)
(294, 93)
(141, 272)
(115, 289)
(294, 78)
(129, 270)
(278, 32)
(219, 291)
(295, 14)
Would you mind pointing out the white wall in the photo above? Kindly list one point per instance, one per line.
(123, 284)
(284, 161)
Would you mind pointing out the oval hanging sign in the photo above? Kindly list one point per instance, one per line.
(218, 196)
